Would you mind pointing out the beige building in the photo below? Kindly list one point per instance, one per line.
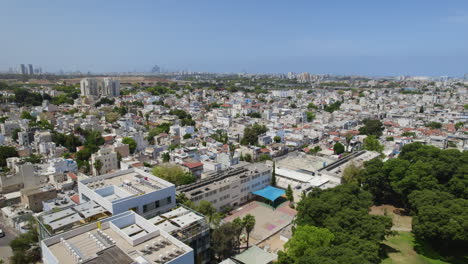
(109, 161)
(33, 197)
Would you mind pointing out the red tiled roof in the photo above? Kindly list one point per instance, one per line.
(108, 138)
(75, 198)
(192, 165)
(138, 164)
(72, 175)
(265, 150)
(354, 132)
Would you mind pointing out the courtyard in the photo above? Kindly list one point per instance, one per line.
(268, 221)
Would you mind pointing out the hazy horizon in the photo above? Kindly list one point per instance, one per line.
(377, 38)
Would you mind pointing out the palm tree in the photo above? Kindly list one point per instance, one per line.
(239, 226)
(98, 166)
(249, 224)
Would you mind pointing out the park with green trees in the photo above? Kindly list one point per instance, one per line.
(426, 183)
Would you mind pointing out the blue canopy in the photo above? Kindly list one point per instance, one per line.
(271, 193)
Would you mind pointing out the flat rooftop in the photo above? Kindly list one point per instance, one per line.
(129, 182)
(178, 219)
(216, 180)
(358, 158)
(73, 216)
(298, 161)
(128, 241)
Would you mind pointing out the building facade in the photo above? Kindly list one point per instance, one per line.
(126, 238)
(131, 189)
(108, 160)
(229, 188)
(96, 87)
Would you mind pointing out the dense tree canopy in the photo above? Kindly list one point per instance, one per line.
(6, 152)
(251, 134)
(26, 97)
(372, 128)
(338, 148)
(185, 118)
(226, 241)
(310, 116)
(372, 143)
(132, 145)
(69, 141)
(334, 226)
(434, 125)
(333, 107)
(432, 184)
(306, 240)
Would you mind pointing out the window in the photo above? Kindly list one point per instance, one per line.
(145, 208)
(156, 204)
(169, 199)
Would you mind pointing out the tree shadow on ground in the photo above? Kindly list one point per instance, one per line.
(386, 249)
(452, 255)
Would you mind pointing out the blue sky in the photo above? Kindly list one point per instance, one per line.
(373, 37)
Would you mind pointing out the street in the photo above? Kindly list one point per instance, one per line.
(5, 250)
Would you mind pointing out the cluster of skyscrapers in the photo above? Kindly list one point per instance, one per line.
(29, 69)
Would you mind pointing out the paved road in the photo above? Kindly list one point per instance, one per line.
(5, 250)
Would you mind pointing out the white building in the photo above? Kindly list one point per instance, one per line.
(104, 87)
(131, 189)
(229, 188)
(126, 238)
(282, 93)
(47, 148)
(110, 87)
(60, 165)
(89, 87)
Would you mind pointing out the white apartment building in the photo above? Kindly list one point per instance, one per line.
(131, 189)
(126, 238)
(282, 93)
(89, 87)
(229, 188)
(109, 161)
(111, 87)
(104, 87)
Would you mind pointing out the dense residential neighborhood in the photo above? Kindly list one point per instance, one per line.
(169, 169)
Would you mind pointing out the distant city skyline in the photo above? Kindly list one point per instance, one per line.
(366, 37)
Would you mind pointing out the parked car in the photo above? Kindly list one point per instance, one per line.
(2, 234)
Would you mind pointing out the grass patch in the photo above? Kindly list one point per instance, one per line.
(401, 250)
